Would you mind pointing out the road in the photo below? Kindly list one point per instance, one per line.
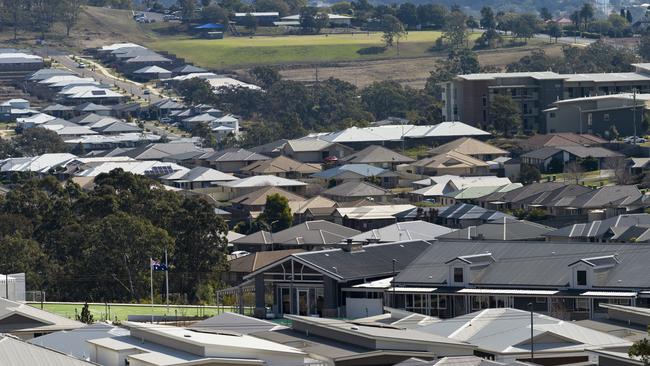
(104, 76)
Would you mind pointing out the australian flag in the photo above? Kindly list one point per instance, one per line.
(157, 266)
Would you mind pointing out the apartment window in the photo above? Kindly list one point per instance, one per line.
(581, 277)
(513, 92)
(606, 117)
(458, 275)
(484, 100)
(525, 108)
(484, 116)
(524, 92)
(551, 115)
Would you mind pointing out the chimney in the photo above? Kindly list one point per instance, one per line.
(352, 247)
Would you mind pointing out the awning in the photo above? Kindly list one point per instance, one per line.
(411, 289)
(487, 291)
(608, 294)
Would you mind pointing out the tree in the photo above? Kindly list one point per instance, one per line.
(384, 99)
(70, 10)
(525, 26)
(432, 15)
(266, 76)
(277, 213)
(187, 10)
(554, 31)
(38, 141)
(392, 29)
(214, 13)
(456, 30)
(342, 7)
(471, 23)
(644, 47)
(15, 14)
(408, 15)
(545, 14)
(529, 174)
(311, 20)
(641, 349)
(487, 18)
(85, 316)
(506, 115)
(573, 171)
(272, 5)
(586, 13)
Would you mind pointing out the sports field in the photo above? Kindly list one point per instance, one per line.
(122, 311)
(245, 51)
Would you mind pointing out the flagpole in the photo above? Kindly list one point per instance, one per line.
(166, 281)
(151, 284)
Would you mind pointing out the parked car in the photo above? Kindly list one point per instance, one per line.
(81, 66)
(634, 140)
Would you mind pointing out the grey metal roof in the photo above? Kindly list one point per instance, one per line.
(73, 342)
(410, 230)
(374, 154)
(606, 196)
(15, 352)
(531, 264)
(466, 211)
(234, 154)
(233, 322)
(373, 260)
(356, 189)
(598, 228)
(494, 230)
(317, 232)
(543, 153)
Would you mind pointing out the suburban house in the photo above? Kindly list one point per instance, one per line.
(229, 160)
(463, 215)
(378, 156)
(452, 163)
(539, 141)
(281, 166)
(472, 194)
(439, 187)
(309, 235)
(352, 191)
(367, 217)
(471, 147)
(252, 204)
(357, 173)
(315, 150)
(544, 158)
(401, 231)
(228, 190)
(310, 283)
(195, 178)
(621, 228)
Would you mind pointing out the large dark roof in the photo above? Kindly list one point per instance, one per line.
(531, 264)
(598, 228)
(375, 260)
(494, 230)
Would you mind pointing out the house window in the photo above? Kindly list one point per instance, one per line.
(458, 275)
(606, 117)
(551, 115)
(581, 278)
(484, 100)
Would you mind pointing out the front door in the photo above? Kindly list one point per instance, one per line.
(302, 299)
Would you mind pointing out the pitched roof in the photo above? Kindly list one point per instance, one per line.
(352, 170)
(561, 139)
(317, 202)
(199, 174)
(375, 212)
(468, 146)
(525, 264)
(374, 260)
(16, 352)
(507, 331)
(69, 341)
(258, 197)
(375, 154)
(281, 164)
(598, 228)
(494, 230)
(263, 181)
(254, 261)
(410, 230)
(243, 324)
(451, 159)
(158, 151)
(233, 154)
(606, 196)
(356, 189)
(18, 317)
(317, 232)
(466, 211)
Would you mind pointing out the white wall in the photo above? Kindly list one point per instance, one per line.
(361, 308)
(16, 286)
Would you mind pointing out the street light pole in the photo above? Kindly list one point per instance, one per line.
(394, 301)
(532, 351)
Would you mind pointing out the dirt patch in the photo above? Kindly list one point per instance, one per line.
(409, 71)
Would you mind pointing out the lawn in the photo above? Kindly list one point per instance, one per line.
(121, 311)
(244, 51)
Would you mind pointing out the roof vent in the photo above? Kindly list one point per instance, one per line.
(187, 335)
(354, 327)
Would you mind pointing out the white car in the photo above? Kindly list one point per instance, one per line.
(634, 140)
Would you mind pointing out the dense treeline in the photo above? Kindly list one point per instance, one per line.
(38, 15)
(96, 245)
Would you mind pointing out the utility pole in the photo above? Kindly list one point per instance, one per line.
(166, 281)
(7, 286)
(634, 112)
(532, 352)
(394, 300)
